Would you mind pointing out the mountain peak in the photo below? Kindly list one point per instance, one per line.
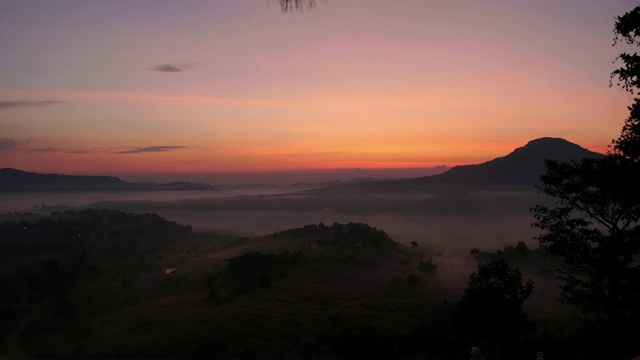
(523, 166)
(557, 149)
(545, 142)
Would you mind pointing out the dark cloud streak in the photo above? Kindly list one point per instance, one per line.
(150, 149)
(173, 68)
(47, 149)
(19, 104)
(168, 68)
(7, 144)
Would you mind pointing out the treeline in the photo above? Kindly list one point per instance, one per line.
(353, 234)
(522, 256)
(58, 272)
(103, 233)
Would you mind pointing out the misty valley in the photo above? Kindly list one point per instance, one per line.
(424, 267)
(107, 283)
(297, 275)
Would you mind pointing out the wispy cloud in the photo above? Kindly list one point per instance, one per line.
(19, 104)
(94, 150)
(169, 68)
(173, 68)
(47, 149)
(50, 149)
(160, 98)
(7, 144)
(150, 149)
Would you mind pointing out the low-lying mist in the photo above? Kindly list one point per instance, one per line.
(446, 224)
(340, 278)
(451, 222)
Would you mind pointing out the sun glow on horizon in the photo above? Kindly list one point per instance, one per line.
(403, 87)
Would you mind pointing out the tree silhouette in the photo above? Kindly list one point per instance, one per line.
(298, 5)
(427, 267)
(593, 227)
(490, 312)
(627, 30)
(594, 224)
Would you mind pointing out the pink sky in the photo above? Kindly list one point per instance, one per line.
(102, 87)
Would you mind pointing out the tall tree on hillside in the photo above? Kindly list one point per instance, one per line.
(594, 224)
(593, 227)
(627, 30)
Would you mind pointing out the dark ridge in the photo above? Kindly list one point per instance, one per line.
(522, 167)
(18, 180)
(301, 185)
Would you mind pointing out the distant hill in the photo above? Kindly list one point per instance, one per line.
(18, 180)
(522, 167)
(303, 185)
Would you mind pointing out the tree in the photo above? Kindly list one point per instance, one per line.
(593, 227)
(490, 312)
(298, 5)
(427, 267)
(627, 30)
(594, 223)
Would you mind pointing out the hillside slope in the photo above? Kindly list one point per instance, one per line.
(18, 180)
(523, 166)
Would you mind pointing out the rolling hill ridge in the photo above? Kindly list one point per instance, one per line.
(18, 180)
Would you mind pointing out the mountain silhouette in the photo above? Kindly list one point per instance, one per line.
(523, 166)
(18, 180)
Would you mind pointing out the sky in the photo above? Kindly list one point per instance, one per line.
(156, 86)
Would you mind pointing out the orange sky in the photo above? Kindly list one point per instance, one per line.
(100, 87)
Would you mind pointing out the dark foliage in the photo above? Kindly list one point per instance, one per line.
(594, 228)
(258, 270)
(537, 260)
(298, 5)
(427, 267)
(512, 254)
(594, 224)
(490, 312)
(106, 233)
(58, 269)
(351, 234)
(76, 301)
(627, 30)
